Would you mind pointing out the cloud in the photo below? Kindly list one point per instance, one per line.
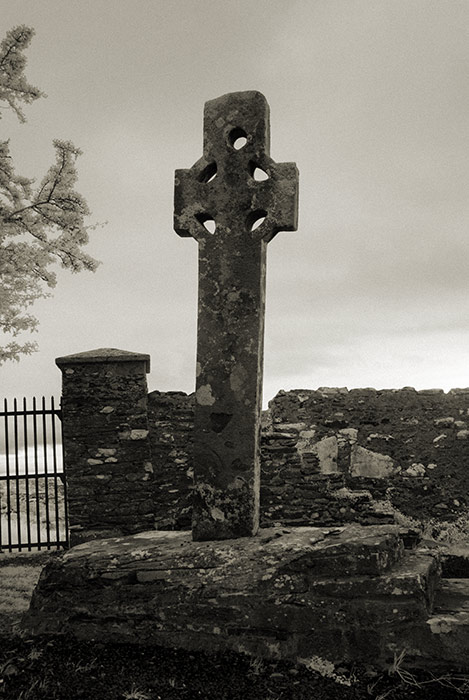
(368, 98)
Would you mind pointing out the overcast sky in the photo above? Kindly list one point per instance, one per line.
(370, 99)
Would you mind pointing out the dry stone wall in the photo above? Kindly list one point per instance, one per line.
(171, 423)
(328, 456)
(332, 456)
(406, 446)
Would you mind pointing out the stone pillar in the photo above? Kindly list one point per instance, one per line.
(106, 447)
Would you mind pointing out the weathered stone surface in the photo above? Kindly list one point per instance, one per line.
(222, 188)
(367, 463)
(415, 576)
(327, 452)
(300, 484)
(455, 561)
(336, 593)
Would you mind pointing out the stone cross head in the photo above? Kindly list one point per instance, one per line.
(225, 185)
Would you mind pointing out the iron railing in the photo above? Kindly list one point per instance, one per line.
(33, 494)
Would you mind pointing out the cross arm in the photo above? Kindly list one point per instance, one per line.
(192, 200)
(278, 196)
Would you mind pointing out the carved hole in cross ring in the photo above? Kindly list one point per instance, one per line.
(255, 219)
(207, 221)
(208, 173)
(237, 138)
(257, 173)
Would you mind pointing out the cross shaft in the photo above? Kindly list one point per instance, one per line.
(224, 187)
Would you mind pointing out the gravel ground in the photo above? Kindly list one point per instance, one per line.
(65, 670)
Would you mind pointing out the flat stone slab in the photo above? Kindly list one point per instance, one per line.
(291, 594)
(102, 355)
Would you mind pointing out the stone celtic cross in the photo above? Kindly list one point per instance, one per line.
(233, 201)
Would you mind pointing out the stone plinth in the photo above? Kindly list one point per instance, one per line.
(106, 446)
(350, 594)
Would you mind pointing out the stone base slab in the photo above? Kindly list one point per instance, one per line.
(343, 594)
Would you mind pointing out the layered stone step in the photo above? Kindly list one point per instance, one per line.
(341, 594)
(442, 641)
(455, 561)
(414, 579)
(452, 595)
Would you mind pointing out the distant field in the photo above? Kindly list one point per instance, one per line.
(32, 460)
(45, 510)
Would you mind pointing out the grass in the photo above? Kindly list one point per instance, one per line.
(65, 669)
(18, 576)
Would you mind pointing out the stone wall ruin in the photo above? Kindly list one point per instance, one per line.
(331, 455)
(328, 456)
